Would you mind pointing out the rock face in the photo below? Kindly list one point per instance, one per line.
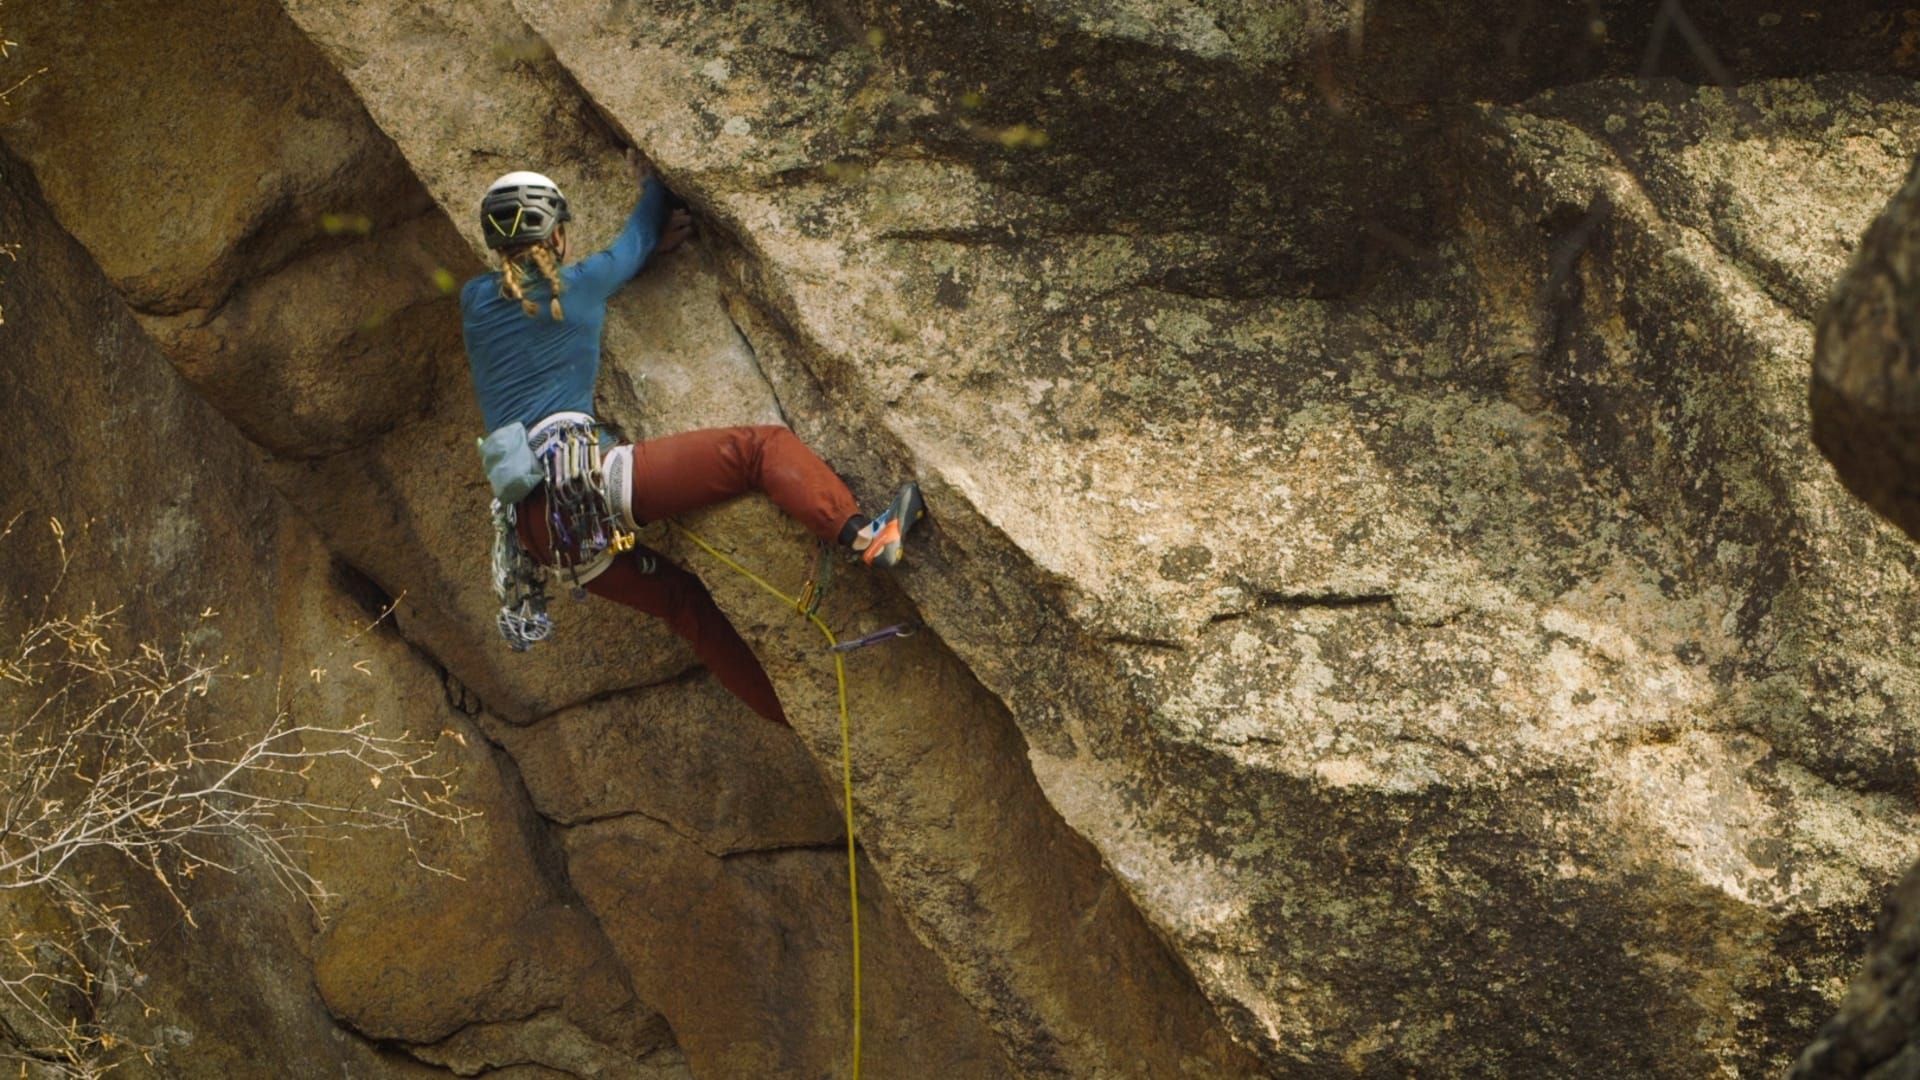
(1380, 582)
(505, 967)
(1872, 1034)
(1864, 419)
(1866, 402)
(180, 531)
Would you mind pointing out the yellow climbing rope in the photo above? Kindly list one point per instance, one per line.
(801, 605)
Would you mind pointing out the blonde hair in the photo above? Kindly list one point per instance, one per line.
(544, 263)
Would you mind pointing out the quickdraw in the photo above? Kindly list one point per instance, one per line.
(885, 633)
(814, 589)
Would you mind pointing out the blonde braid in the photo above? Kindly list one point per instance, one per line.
(544, 262)
(511, 283)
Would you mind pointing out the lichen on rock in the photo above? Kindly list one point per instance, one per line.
(1380, 580)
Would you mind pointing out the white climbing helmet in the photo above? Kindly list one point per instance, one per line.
(522, 208)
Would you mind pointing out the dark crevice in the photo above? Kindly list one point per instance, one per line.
(686, 676)
(583, 820)
(838, 846)
(393, 1051)
(1562, 294)
(1143, 642)
(740, 334)
(1323, 600)
(1267, 601)
(634, 813)
(365, 592)
(838, 843)
(379, 607)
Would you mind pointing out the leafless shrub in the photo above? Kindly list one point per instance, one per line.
(10, 80)
(106, 756)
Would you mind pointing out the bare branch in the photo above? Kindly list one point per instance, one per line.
(105, 753)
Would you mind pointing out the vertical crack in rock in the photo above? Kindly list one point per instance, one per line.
(1017, 907)
(692, 402)
(197, 529)
(747, 344)
(1614, 733)
(1124, 433)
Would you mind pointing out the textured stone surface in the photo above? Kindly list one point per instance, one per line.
(1054, 1008)
(1445, 631)
(181, 533)
(689, 755)
(748, 958)
(1866, 395)
(1864, 419)
(1872, 1034)
(241, 146)
(502, 966)
(1380, 582)
(290, 277)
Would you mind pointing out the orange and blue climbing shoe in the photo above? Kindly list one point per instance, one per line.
(879, 542)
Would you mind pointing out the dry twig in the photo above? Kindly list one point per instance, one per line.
(106, 754)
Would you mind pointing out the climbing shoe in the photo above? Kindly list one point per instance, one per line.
(879, 542)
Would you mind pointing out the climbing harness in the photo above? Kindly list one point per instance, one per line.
(808, 605)
(590, 512)
(589, 521)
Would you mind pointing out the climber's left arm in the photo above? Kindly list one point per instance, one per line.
(599, 274)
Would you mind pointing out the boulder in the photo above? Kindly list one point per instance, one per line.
(1864, 397)
(181, 533)
(1379, 583)
(500, 965)
(1467, 614)
(299, 278)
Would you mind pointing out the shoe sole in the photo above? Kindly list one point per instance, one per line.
(907, 510)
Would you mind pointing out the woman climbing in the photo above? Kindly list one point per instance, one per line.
(572, 500)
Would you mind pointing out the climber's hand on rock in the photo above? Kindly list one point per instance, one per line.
(679, 227)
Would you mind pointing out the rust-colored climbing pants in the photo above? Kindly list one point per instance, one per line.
(685, 472)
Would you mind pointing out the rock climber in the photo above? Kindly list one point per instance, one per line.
(568, 498)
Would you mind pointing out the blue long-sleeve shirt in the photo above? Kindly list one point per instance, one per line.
(525, 367)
